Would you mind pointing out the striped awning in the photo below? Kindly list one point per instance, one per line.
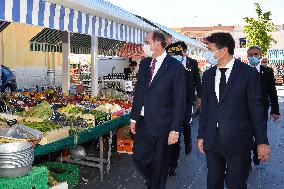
(131, 50)
(54, 16)
(50, 40)
(276, 56)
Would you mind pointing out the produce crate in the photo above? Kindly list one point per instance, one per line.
(36, 179)
(71, 173)
(125, 146)
(124, 133)
(55, 135)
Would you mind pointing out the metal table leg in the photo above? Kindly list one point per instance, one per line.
(95, 162)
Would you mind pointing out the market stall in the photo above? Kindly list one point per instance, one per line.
(69, 120)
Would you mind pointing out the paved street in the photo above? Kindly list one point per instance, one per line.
(192, 171)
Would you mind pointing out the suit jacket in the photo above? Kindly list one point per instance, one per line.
(163, 100)
(268, 90)
(239, 113)
(193, 80)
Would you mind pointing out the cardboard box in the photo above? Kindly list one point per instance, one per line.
(52, 136)
(124, 133)
(62, 185)
(125, 146)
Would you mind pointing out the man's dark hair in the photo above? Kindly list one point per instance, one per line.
(133, 63)
(255, 47)
(159, 36)
(222, 39)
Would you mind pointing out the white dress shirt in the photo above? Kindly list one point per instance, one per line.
(184, 62)
(258, 68)
(158, 64)
(218, 76)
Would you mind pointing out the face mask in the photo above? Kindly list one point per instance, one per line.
(179, 58)
(253, 60)
(209, 56)
(147, 50)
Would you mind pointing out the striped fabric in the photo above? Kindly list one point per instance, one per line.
(131, 50)
(49, 15)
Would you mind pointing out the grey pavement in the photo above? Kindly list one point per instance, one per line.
(192, 170)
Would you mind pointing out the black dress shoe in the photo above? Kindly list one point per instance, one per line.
(172, 172)
(187, 148)
(256, 161)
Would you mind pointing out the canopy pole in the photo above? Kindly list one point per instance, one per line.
(65, 62)
(51, 70)
(94, 66)
(1, 49)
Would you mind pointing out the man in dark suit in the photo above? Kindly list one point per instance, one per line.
(268, 89)
(178, 50)
(231, 114)
(158, 110)
(127, 71)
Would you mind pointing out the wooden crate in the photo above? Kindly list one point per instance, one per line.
(125, 146)
(52, 136)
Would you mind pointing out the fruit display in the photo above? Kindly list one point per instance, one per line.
(42, 126)
(50, 111)
(108, 108)
(43, 110)
(72, 109)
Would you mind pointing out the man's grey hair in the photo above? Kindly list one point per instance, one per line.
(254, 47)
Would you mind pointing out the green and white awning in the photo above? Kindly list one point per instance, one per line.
(50, 40)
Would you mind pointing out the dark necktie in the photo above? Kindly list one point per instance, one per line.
(152, 68)
(222, 84)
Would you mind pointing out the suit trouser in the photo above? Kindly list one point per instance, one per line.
(175, 148)
(233, 168)
(149, 154)
(254, 144)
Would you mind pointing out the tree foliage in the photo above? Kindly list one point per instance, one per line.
(257, 30)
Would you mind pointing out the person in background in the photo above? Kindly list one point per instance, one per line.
(264, 62)
(169, 39)
(158, 110)
(127, 71)
(231, 115)
(193, 84)
(268, 89)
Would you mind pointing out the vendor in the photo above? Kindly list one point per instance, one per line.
(127, 71)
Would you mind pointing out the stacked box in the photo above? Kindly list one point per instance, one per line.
(124, 140)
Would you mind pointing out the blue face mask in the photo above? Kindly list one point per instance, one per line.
(209, 56)
(179, 58)
(253, 60)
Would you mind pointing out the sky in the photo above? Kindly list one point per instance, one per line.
(188, 13)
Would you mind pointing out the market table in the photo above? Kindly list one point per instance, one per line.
(85, 136)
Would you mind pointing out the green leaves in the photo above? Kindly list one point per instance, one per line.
(257, 31)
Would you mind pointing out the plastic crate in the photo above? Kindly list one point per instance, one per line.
(71, 174)
(36, 179)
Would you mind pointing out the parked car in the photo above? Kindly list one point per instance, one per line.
(8, 80)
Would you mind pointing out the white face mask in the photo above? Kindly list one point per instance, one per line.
(147, 50)
(209, 56)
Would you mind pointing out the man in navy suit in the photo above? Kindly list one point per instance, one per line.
(158, 110)
(231, 115)
(268, 89)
